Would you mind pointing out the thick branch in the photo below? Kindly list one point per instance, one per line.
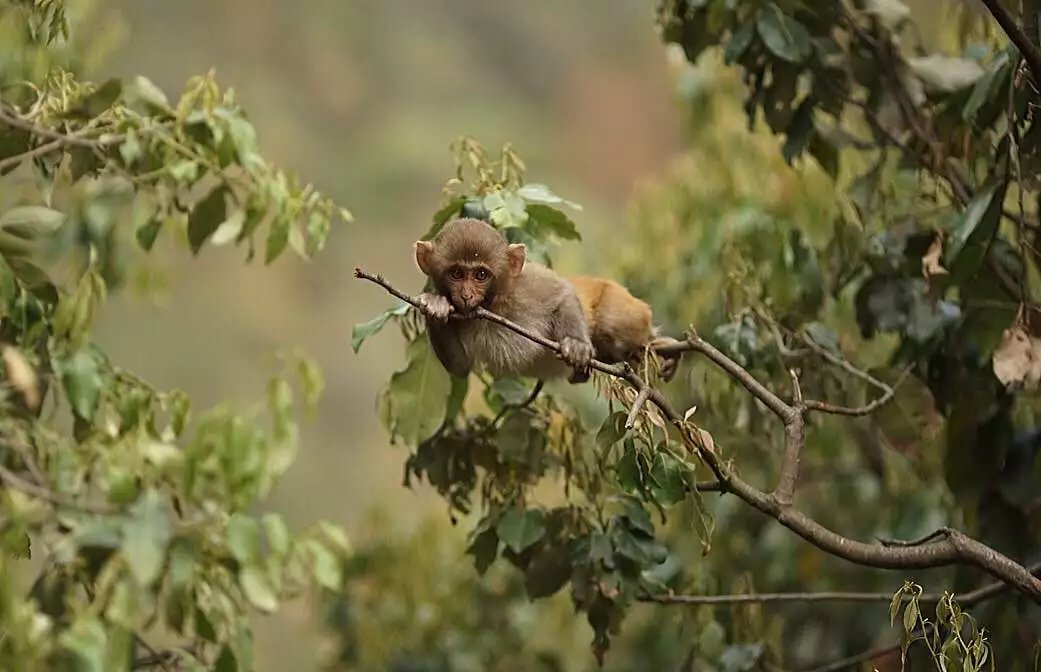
(794, 439)
(1025, 43)
(736, 371)
(953, 548)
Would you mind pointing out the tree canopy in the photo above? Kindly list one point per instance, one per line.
(134, 509)
(864, 320)
(844, 475)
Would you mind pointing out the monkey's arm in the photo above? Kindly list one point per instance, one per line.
(570, 329)
(444, 336)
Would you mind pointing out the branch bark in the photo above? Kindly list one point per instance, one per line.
(949, 548)
(966, 600)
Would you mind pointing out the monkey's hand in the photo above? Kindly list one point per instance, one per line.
(435, 307)
(578, 354)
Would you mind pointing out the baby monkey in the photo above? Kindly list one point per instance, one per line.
(471, 264)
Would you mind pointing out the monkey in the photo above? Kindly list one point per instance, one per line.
(471, 264)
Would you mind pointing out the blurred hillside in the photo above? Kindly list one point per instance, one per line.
(363, 99)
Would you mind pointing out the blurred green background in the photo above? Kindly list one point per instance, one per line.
(363, 99)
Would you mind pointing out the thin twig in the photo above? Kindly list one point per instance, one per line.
(641, 398)
(851, 663)
(57, 140)
(155, 658)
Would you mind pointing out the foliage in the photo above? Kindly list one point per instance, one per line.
(135, 515)
(901, 236)
(595, 533)
(393, 617)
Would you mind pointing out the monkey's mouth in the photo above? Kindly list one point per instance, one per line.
(466, 307)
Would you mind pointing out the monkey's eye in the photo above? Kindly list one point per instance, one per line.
(481, 275)
(456, 274)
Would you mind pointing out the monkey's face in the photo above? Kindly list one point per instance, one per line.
(468, 285)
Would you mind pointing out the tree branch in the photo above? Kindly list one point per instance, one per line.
(641, 398)
(794, 439)
(1025, 43)
(966, 600)
(57, 139)
(953, 548)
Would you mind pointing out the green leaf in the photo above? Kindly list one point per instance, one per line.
(101, 99)
(147, 233)
(256, 585)
(229, 229)
(129, 605)
(506, 209)
(784, 36)
(987, 87)
(540, 193)
(205, 217)
(277, 238)
(612, 431)
(824, 337)
(910, 617)
(506, 390)
(799, 131)
(243, 536)
(545, 220)
(277, 533)
(81, 376)
(86, 641)
(418, 395)
(364, 330)
(145, 537)
(519, 528)
(966, 222)
(141, 94)
(130, 149)
(460, 387)
(447, 212)
(31, 221)
(484, 549)
(827, 154)
(637, 516)
(325, 567)
(739, 43)
(667, 482)
(548, 572)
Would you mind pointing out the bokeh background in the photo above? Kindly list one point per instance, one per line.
(363, 99)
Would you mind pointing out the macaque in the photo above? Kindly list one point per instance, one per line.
(470, 264)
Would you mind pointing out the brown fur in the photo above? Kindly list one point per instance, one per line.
(528, 294)
(584, 314)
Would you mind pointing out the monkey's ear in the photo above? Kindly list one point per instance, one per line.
(425, 256)
(515, 255)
